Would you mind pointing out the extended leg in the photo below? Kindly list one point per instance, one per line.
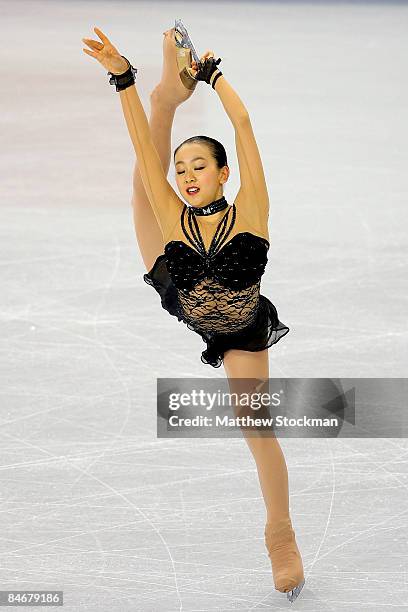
(148, 233)
(164, 100)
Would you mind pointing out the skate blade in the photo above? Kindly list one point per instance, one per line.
(183, 40)
(293, 594)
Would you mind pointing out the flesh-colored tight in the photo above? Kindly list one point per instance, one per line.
(266, 451)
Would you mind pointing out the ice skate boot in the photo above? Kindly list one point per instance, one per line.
(184, 53)
(287, 567)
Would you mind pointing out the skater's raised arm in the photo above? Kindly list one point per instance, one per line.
(163, 199)
(252, 197)
(253, 190)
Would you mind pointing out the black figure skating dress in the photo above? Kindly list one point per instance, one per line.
(216, 291)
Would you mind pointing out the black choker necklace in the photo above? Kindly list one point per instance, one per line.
(210, 209)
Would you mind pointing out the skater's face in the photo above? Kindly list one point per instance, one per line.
(196, 167)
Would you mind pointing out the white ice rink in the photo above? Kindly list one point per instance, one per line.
(91, 502)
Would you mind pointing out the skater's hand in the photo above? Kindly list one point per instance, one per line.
(194, 66)
(106, 53)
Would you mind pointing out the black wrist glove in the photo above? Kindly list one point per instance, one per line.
(124, 80)
(206, 69)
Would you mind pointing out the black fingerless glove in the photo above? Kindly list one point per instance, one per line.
(207, 69)
(124, 80)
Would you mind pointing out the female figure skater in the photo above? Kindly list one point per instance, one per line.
(206, 259)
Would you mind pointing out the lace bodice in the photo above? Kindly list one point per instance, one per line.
(218, 289)
(210, 307)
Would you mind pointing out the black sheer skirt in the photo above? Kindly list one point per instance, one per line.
(264, 331)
